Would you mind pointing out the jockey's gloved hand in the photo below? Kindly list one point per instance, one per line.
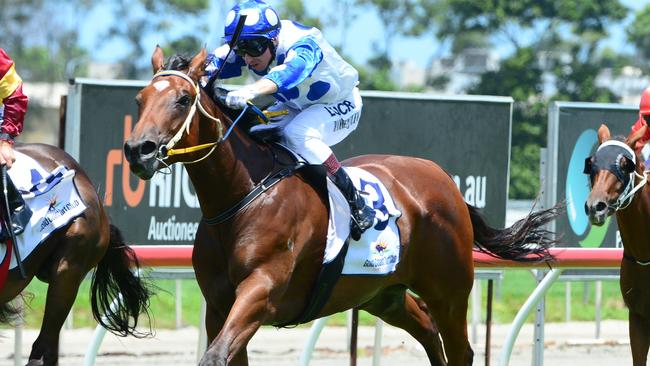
(237, 98)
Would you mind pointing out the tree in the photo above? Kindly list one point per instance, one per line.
(376, 75)
(638, 32)
(568, 33)
(45, 48)
(142, 18)
(394, 16)
(295, 10)
(343, 16)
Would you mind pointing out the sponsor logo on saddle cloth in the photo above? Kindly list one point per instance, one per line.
(377, 253)
(52, 197)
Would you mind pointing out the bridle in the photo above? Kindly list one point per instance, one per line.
(629, 189)
(167, 150)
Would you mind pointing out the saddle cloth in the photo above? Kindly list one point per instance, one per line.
(378, 250)
(52, 197)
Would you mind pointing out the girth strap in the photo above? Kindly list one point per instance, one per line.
(262, 187)
(632, 259)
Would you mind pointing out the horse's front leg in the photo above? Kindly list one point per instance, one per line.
(249, 311)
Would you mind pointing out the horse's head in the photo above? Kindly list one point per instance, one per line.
(167, 109)
(611, 171)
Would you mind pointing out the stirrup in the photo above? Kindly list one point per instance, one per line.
(20, 219)
(362, 219)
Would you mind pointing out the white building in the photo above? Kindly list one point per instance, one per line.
(465, 70)
(628, 84)
(462, 71)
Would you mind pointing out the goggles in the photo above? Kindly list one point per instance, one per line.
(252, 47)
(646, 117)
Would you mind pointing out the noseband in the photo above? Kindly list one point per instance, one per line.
(167, 150)
(608, 157)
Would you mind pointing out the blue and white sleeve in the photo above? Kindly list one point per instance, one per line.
(233, 65)
(301, 61)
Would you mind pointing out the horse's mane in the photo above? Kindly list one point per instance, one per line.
(177, 62)
(180, 62)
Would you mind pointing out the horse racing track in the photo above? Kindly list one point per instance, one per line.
(566, 344)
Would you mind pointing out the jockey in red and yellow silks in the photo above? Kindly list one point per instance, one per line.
(13, 109)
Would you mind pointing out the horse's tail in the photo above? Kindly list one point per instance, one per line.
(525, 241)
(8, 313)
(113, 281)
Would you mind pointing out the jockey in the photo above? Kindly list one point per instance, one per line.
(308, 79)
(644, 118)
(12, 115)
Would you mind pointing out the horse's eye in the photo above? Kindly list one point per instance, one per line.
(183, 101)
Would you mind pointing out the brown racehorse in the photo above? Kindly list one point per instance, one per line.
(64, 259)
(259, 265)
(610, 169)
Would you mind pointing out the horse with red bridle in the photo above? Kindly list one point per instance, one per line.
(258, 263)
(618, 186)
(66, 256)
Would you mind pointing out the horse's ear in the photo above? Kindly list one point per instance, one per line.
(603, 134)
(635, 136)
(197, 66)
(157, 59)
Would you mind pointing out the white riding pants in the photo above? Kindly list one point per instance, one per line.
(312, 131)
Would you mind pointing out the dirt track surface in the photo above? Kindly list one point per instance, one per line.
(566, 345)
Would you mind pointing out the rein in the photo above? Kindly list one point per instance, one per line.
(629, 196)
(626, 198)
(166, 151)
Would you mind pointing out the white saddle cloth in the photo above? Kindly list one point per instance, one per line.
(52, 197)
(378, 250)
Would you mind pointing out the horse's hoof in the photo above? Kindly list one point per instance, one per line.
(35, 362)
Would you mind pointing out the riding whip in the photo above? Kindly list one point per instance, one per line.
(233, 42)
(9, 225)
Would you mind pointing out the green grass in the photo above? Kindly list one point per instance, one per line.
(515, 287)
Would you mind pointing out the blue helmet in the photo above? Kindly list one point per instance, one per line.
(261, 20)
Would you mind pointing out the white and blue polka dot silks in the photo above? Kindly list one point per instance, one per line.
(306, 69)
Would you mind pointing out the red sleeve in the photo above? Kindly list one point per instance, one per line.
(5, 62)
(646, 136)
(12, 97)
(14, 112)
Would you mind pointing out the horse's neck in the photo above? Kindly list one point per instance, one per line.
(634, 225)
(230, 172)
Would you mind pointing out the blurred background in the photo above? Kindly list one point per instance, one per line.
(535, 51)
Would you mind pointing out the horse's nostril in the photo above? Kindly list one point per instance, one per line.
(601, 206)
(148, 148)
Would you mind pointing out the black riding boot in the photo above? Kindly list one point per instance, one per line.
(20, 212)
(362, 215)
